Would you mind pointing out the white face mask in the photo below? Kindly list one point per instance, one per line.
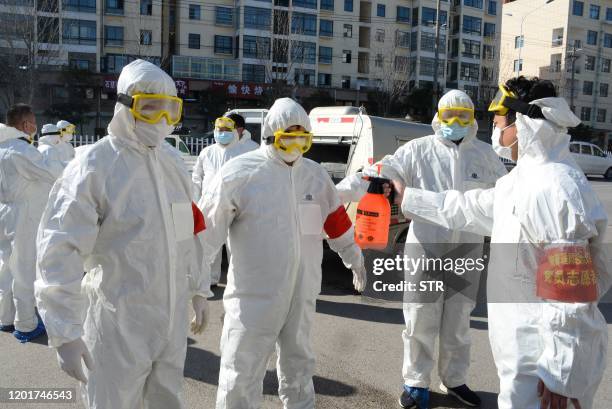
(501, 151)
(289, 157)
(67, 137)
(152, 134)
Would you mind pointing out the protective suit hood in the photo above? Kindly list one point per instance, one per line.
(140, 77)
(458, 99)
(284, 113)
(546, 140)
(8, 132)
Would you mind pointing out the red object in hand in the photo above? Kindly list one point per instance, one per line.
(198, 219)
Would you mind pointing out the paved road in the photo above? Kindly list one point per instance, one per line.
(358, 346)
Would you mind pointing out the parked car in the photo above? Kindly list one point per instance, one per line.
(591, 159)
(176, 142)
(346, 140)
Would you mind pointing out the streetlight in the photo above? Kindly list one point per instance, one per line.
(518, 65)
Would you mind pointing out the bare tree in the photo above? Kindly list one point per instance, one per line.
(393, 71)
(29, 44)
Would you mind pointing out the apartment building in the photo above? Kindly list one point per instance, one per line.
(561, 40)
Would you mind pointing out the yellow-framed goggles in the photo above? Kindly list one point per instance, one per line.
(463, 116)
(498, 105)
(225, 122)
(292, 141)
(151, 108)
(69, 130)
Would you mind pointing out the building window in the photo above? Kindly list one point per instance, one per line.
(578, 8)
(79, 64)
(585, 113)
(305, 24)
(557, 37)
(255, 47)
(470, 49)
(146, 37)
(326, 28)
(587, 87)
(304, 52)
(380, 35)
(346, 56)
(325, 55)
(603, 90)
(223, 45)
(348, 31)
(608, 14)
(194, 12)
(488, 52)
(327, 5)
(489, 30)
(426, 67)
(307, 4)
(304, 77)
(403, 14)
(589, 63)
(84, 6)
(324, 80)
(346, 82)
(607, 40)
(492, 9)
(379, 61)
(594, 12)
(519, 41)
(428, 42)
(146, 7)
(402, 39)
(473, 3)
(518, 65)
(253, 73)
(469, 72)
(113, 36)
(472, 25)
(605, 65)
(555, 62)
(256, 17)
(601, 115)
(348, 5)
(428, 17)
(194, 41)
(592, 37)
(79, 32)
(224, 16)
(114, 7)
(400, 63)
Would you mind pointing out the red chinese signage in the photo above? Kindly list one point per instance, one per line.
(241, 89)
(109, 84)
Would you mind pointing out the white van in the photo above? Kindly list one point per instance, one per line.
(346, 140)
(591, 159)
(253, 119)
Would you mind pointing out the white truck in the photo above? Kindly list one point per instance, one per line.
(346, 140)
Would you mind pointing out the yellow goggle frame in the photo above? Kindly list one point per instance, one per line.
(464, 116)
(225, 122)
(151, 108)
(69, 130)
(280, 136)
(497, 104)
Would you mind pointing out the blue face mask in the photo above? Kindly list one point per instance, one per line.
(224, 137)
(454, 132)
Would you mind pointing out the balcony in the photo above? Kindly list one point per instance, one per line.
(365, 12)
(364, 37)
(205, 68)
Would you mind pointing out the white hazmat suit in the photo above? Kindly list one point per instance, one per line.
(123, 212)
(277, 216)
(546, 200)
(49, 142)
(25, 180)
(207, 166)
(66, 149)
(434, 163)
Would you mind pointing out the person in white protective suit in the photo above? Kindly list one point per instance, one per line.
(25, 181)
(278, 207)
(48, 144)
(66, 134)
(547, 335)
(230, 143)
(123, 212)
(451, 158)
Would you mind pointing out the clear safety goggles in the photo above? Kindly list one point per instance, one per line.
(463, 116)
(69, 130)
(499, 103)
(151, 108)
(224, 122)
(292, 141)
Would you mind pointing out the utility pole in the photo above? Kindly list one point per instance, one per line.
(436, 58)
(574, 56)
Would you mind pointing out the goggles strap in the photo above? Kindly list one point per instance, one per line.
(531, 110)
(125, 100)
(51, 133)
